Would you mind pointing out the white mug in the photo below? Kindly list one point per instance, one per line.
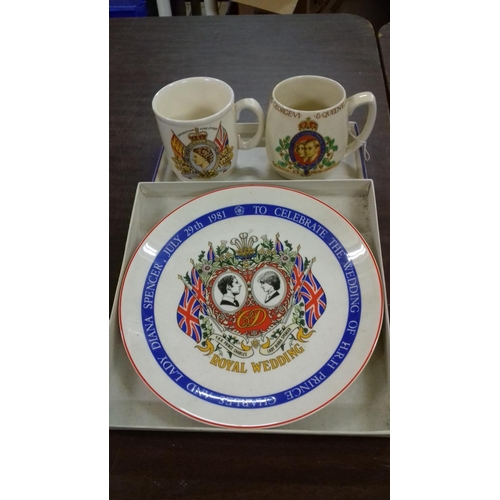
(197, 122)
(307, 126)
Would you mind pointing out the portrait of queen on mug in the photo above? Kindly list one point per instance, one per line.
(203, 156)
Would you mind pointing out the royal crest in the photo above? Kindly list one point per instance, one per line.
(250, 296)
(202, 158)
(307, 152)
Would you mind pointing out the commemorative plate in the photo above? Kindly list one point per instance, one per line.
(251, 307)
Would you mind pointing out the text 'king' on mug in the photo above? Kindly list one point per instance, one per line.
(196, 119)
(307, 126)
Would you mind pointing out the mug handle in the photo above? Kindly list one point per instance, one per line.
(353, 102)
(254, 106)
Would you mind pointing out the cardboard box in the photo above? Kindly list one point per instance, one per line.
(286, 6)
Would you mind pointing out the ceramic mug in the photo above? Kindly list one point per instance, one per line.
(197, 122)
(307, 126)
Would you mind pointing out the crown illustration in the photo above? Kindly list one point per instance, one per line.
(244, 246)
(197, 135)
(308, 124)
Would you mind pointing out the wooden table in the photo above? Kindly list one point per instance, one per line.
(252, 54)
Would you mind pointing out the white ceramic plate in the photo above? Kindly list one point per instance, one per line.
(251, 307)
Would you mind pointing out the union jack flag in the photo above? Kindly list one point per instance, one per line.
(297, 275)
(221, 139)
(198, 289)
(314, 298)
(210, 253)
(278, 246)
(188, 315)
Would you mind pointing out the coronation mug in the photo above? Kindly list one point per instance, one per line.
(307, 126)
(196, 119)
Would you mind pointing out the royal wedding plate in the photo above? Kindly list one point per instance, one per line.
(251, 307)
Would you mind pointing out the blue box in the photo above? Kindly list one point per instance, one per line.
(128, 8)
